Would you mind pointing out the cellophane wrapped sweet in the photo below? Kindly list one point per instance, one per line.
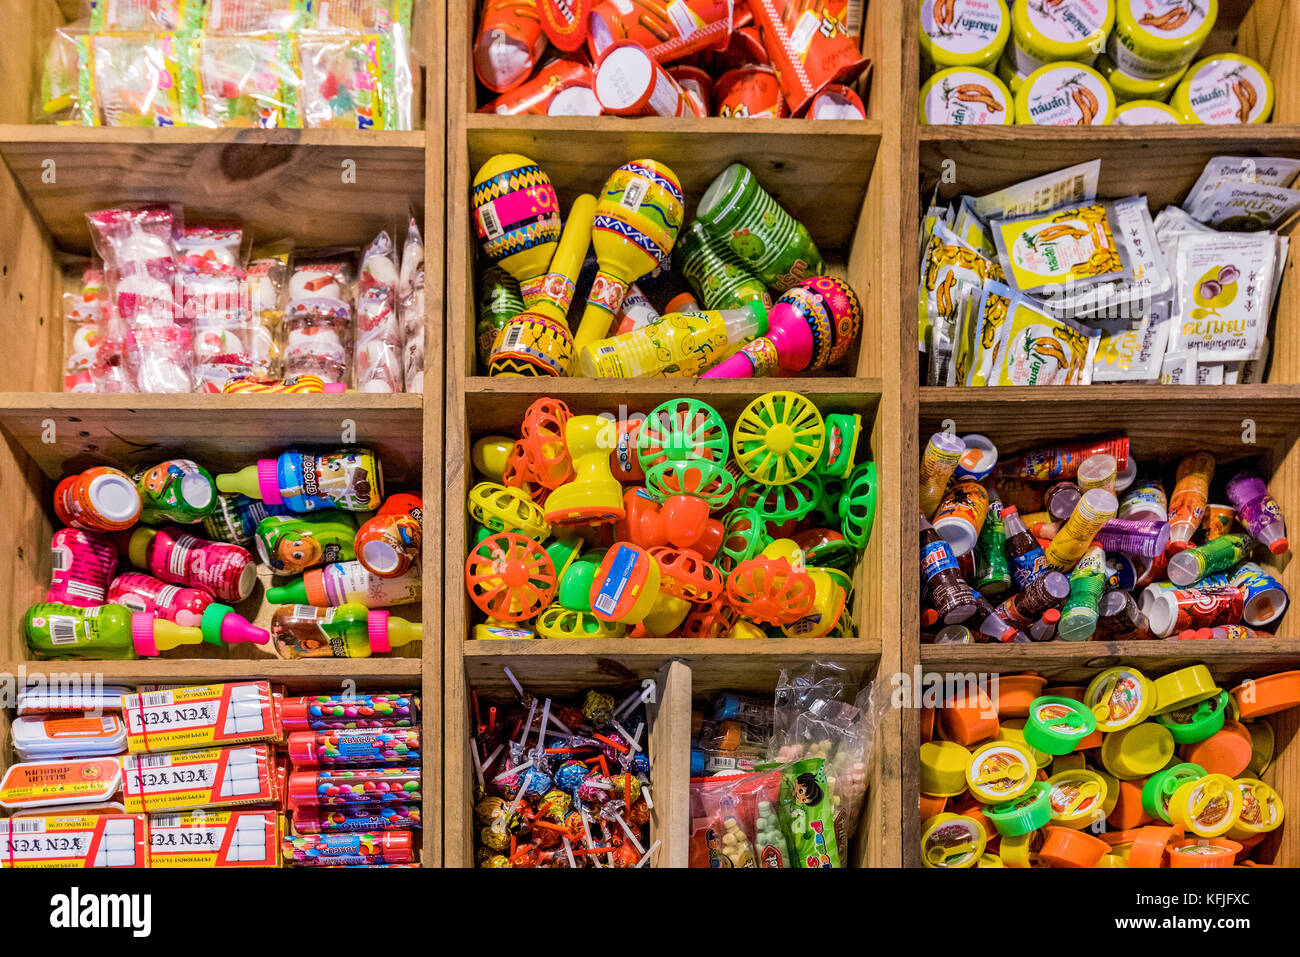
(268, 281)
(213, 304)
(318, 321)
(83, 316)
(379, 331)
(249, 81)
(411, 306)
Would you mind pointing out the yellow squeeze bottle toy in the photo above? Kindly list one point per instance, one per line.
(680, 344)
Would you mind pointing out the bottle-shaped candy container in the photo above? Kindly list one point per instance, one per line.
(681, 344)
(84, 564)
(350, 479)
(235, 518)
(100, 499)
(106, 632)
(291, 544)
(348, 631)
(346, 582)
(1258, 511)
(226, 571)
(177, 490)
(389, 544)
(191, 607)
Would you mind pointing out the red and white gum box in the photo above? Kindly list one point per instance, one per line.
(217, 714)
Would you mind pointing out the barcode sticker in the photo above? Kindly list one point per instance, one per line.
(21, 826)
(604, 604)
(487, 223)
(62, 558)
(633, 193)
(606, 350)
(87, 590)
(853, 17)
(514, 335)
(153, 761)
(63, 630)
(156, 699)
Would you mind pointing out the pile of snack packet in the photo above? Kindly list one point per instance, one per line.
(220, 775)
(731, 58)
(1062, 536)
(782, 784)
(1129, 770)
(562, 549)
(353, 561)
(271, 64)
(614, 255)
(563, 783)
(1042, 283)
(179, 307)
(1051, 68)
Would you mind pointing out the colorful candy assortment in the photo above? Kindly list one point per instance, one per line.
(280, 64)
(563, 784)
(1127, 771)
(1083, 63)
(670, 523)
(729, 58)
(1042, 283)
(1063, 537)
(297, 511)
(180, 308)
(741, 248)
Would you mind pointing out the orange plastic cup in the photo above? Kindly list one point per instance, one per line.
(1224, 752)
(1128, 812)
(1017, 692)
(1066, 847)
(969, 717)
(1268, 695)
(1151, 846)
(1203, 852)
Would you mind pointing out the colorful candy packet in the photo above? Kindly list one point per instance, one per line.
(104, 16)
(1060, 249)
(669, 30)
(128, 79)
(951, 273)
(807, 811)
(83, 315)
(410, 304)
(1224, 295)
(1043, 350)
(735, 822)
(379, 344)
(240, 81)
(355, 81)
(811, 43)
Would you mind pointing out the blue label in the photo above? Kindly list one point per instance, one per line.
(624, 562)
(937, 557)
(1027, 568)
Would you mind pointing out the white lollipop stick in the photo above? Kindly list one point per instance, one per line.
(645, 857)
(541, 728)
(518, 688)
(630, 740)
(528, 725)
(517, 769)
(493, 756)
(478, 764)
(628, 831)
(568, 851)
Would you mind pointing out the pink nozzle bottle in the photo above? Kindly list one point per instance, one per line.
(191, 607)
(226, 571)
(83, 568)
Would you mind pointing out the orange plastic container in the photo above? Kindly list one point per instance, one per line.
(1151, 846)
(1017, 692)
(1268, 695)
(1224, 752)
(1066, 847)
(969, 716)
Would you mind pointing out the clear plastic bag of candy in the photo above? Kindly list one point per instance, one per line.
(241, 81)
(130, 15)
(360, 16)
(59, 97)
(84, 295)
(410, 290)
(136, 244)
(108, 372)
(132, 78)
(735, 822)
(378, 353)
(214, 306)
(318, 321)
(356, 81)
(159, 360)
(268, 279)
(251, 16)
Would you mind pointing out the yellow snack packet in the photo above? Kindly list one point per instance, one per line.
(1042, 350)
(1074, 245)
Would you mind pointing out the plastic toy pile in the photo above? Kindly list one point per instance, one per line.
(1042, 283)
(731, 58)
(588, 527)
(563, 784)
(1127, 772)
(356, 561)
(782, 786)
(190, 308)
(742, 247)
(271, 64)
(1094, 529)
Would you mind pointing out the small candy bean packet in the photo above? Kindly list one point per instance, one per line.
(1224, 295)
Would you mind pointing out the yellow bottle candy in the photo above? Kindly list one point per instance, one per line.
(1094, 509)
(680, 344)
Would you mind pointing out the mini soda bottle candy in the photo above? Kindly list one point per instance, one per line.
(389, 544)
(84, 564)
(1027, 559)
(1080, 612)
(1191, 495)
(191, 607)
(100, 499)
(179, 558)
(348, 582)
(350, 479)
(1258, 511)
(349, 631)
(938, 463)
(178, 490)
(992, 571)
(1217, 555)
(949, 593)
(1095, 508)
(105, 632)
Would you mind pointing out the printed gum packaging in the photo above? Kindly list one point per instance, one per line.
(90, 697)
(215, 839)
(1224, 288)
(74, 841)
(1061, 248)
(207, 777)
(219, 714)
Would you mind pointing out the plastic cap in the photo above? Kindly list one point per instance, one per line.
(377, 632)
(294, 593)
(759, 312)
(196, 490)
(380, 557)
(142, 635)
(114, 497)
(137, 549)
(268, 482)
(221, 623)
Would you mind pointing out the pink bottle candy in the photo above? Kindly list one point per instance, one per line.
(83, 567)
(178, 558)
(192, 607)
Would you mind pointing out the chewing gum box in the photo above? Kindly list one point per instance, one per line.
(239, 713)
(208, 838)
(207, 777)
(74, 841)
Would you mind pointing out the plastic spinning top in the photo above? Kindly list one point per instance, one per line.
(770, 591)
(510, 577)
(778, 438)
(680, 430)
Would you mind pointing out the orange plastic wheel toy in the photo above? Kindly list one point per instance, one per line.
(519, 474)
(710, 621)
(543, 442)
(687, 575)
(510, 577)
(770, 591)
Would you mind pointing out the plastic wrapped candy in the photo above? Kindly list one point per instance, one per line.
(248, 16)
(410, 289)
(379, 333)
(240, 81)
(213, 307)
(83, 317)
(510, 39)
(120, 15)
(268, 275)
(356, 81)
(59, 98)
(133, 79)
(108, 372)
(359, 16)
(318, 320)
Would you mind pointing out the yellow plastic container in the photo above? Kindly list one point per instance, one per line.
(964, 32)
(1000, 771)
(1009, 75)
(1146, 113)
(1069, 30)
(943, 768)
(1128, 87)
(990, 860)
(1184, 688)
(1078, 798)
(1021, 850)
(952, 841)
(1261, 810)
(1206, 807)
(1138, 751)
(966, 96)
(1120, 698)
(1219, 90)
(1112, 860)
(1013, 730)
(1153, 39)
(1065, 94)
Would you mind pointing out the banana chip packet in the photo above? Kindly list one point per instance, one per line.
(1044, 350)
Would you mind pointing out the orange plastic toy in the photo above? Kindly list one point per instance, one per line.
(1066, 847)
(1225, 752)
(543, 443)
(1268, 695)
(510, 577)
(1151, 845)
(770, 591)
(687, 575)
(1016, 693)
(712, 620)
(626, 585)
(969, 716)
(1204, 852)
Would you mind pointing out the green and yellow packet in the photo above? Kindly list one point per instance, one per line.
(1067, 246)
(1043, 350)
(808, 814)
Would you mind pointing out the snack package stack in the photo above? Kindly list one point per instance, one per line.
(270, 64)
(1044, 283)
(318, 319)
(411, 307)
(83, 318)
(137, 248)
(379, 345)
(212, 280)
(268, 279)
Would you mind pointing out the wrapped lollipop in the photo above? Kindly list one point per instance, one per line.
(83, 315)
(211, 274)
(379, 333)
(108, 371)
(410, 305)
(318, 319)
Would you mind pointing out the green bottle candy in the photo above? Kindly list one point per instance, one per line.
(348, 631)
(1087, 582)
(719, 278)
(775, 245)
(499, 301)
(291, 544)
(1216, 555)
(177, 490)
(992, 571)
(101, 633)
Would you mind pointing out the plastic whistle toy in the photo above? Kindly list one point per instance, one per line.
(510, 577)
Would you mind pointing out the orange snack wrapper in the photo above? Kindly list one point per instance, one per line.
(810, 44)
(535, 95)
(509, 41)
(668, 29)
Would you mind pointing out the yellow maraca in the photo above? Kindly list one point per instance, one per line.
(637, 218)
(516, 216)
(537, 342)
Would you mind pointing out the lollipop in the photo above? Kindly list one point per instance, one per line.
(778, 438)
(510, 577)
(638, 215)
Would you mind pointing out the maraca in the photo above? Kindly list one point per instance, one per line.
(537, 341)
(809, 328)
(516, 215)
(637, 218)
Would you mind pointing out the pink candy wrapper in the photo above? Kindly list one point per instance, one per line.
(379, 331)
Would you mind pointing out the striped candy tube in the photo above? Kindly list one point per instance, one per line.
(347, 712)
(364, 747)
(367, 786)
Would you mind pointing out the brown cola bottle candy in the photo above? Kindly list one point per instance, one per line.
(950, 595)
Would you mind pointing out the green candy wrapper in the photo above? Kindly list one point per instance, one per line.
(808, 814)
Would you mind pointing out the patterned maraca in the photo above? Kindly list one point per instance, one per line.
(516, 217)
(638, 215)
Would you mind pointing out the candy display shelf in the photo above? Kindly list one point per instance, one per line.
(316, 187)
(839, 179)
